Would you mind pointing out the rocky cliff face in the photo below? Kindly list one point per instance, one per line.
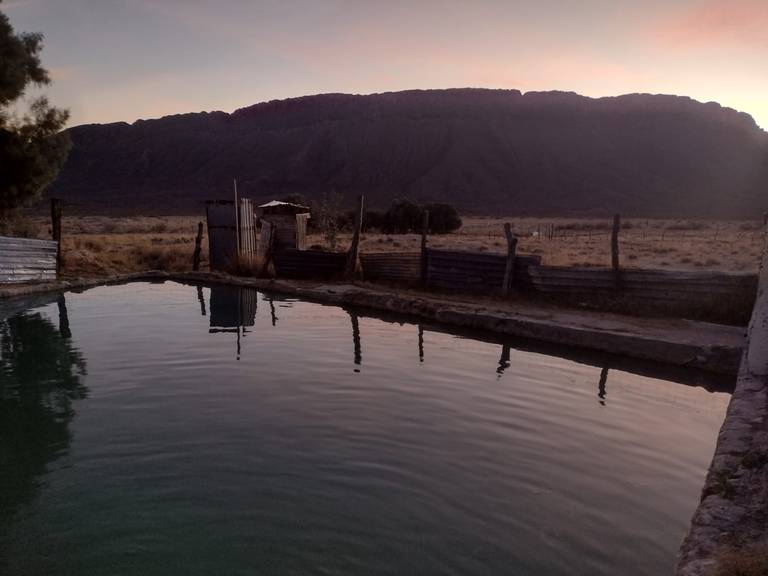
(487, 151)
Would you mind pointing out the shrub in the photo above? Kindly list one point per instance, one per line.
(688, 225)
(443, 218)
(18, 226)
(373, 220)
(405, 216)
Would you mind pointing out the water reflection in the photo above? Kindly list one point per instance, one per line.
(307, 446)
(201, 299)
(504, 360)
(233, 309)
(356, 345)
(601, 393)
(421, 343)
(40, 377)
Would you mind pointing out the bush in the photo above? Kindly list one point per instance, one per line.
(373, 220)
(443, 218)
(18, 226)
(405, 216)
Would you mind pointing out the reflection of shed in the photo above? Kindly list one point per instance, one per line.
(232, 307)
(290, 221)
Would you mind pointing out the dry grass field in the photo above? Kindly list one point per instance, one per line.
(98, 245)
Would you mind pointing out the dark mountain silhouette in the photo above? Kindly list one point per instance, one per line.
(486, 151)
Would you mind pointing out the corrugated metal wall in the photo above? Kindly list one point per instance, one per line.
(222, 242)
(294, 263)
(222, 233)
(27, 260)
(392, 267)
(472, 271)
(247, 232)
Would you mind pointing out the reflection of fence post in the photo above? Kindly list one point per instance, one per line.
(198, 240)
(504, 359)
(424, 230)
(601, 393)
(63, 317)
(421, 343)
(201, 300)
(56, 231)
(354, 248)
(509, 269)
(357, 346)
(615, 251)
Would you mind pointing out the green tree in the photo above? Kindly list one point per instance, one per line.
(32, 146)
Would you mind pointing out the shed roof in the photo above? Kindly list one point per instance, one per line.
(272, 203)
(276, 206)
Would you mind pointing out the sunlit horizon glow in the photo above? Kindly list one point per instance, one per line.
(123, 60)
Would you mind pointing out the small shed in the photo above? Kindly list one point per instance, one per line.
(289, 220)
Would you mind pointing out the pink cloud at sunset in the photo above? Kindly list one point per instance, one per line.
(734, 22)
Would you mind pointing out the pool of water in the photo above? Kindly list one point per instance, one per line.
(172, 429)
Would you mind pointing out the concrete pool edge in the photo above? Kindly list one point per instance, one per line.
(683, 343)
(732, 516)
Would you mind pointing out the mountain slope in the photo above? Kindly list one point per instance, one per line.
(487, 151)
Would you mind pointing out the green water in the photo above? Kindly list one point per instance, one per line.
(169, 429)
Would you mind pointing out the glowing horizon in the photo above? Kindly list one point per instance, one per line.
(123, 60)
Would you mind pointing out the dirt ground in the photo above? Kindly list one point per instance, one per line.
(100, 245)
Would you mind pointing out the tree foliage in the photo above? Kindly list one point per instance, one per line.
(405, 216)
(32, 147)
(443, 218)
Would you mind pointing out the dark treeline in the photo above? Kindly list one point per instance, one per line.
(404, 216)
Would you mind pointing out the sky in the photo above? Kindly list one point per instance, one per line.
(121, 60)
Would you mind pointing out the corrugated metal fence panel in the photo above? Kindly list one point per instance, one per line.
(27, 260)
(247, 231)
(643, 283)
(472, 271)
(392, 267)
(292, 263)
(222, 242)
(301, 231)
(714, 296)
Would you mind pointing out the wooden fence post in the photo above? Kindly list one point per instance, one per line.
(509, 270)
(56, 231)
(354, 248)
(615, 251)
(198, 241)
(424, 230)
